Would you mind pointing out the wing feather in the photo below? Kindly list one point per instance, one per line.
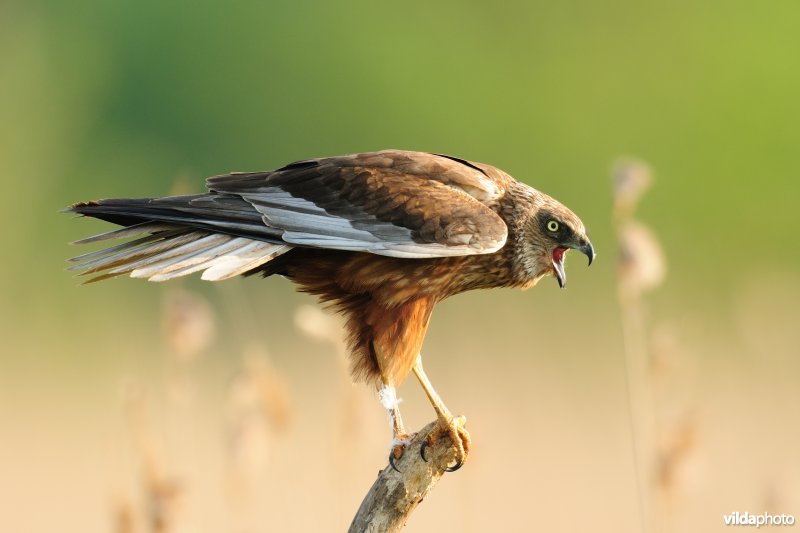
(402, 204)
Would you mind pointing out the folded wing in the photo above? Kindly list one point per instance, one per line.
(400, 204)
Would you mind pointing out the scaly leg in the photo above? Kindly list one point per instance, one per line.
(388, 397)
(452, 426)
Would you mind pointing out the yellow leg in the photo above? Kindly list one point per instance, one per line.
(452, 426)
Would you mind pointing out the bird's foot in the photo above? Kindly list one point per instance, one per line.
(397, 448)
(453, 427)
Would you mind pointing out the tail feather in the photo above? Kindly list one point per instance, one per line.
(106, 251)
(107, 261)
(128, 231)
(212, 212)
(247, 256)
(185, 266)
(189, 254)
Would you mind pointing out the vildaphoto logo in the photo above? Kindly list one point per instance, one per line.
(758, 520)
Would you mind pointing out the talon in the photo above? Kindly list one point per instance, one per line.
(453, 428)
(396, 451)
(391, 462)
(455, 467)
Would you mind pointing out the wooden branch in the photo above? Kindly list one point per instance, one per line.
(395, 495)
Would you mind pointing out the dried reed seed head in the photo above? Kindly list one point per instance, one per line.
(187, 322)
(258, 407)
(165, 500)
(677, 445)
(248, 442)
(123, 514)
(260, 386)
(164, 494)
(632, 177)
(315, 323)
(642, 265)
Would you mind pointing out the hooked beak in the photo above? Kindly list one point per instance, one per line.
(588, 250)
(558, 260)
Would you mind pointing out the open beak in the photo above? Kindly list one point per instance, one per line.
(558, 266)
(558, 260)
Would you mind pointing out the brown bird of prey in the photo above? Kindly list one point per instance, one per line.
(382, 237)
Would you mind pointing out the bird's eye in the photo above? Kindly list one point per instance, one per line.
(552, 225)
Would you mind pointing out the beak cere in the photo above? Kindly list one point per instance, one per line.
(558, 266)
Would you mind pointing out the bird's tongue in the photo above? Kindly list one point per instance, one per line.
(558, 266)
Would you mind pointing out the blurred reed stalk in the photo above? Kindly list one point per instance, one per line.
(259, 409)
(163, 495)
(660, 448)
(124, 515)
(188, 328)
(324, 327)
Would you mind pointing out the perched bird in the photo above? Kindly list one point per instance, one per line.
(382, 237)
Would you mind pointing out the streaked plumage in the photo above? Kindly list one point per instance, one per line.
(381, 236)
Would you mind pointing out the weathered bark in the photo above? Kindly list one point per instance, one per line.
(395, 495)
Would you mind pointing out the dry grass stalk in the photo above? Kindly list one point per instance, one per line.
(637, 271)
(677, 429)
(678, 443)
(124, 516)
(163, 494)
(324, 327)
(642, 266)
(348, 426)
(258, 409)
(259, 406)
(661, 449)
(188, 328)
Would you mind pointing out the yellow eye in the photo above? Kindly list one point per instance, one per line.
(552, 225)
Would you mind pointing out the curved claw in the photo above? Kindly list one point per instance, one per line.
(461, 458)
(391, 462)
(455, 467)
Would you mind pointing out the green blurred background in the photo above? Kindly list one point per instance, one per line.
(109, 99)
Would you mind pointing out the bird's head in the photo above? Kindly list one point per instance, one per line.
(550, 233)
